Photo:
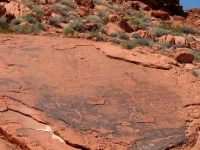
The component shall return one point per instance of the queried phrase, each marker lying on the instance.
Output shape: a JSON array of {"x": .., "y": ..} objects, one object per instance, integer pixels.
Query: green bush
[
  {"x": 38, "y": 10},
  {"x": 76, "y": 25},
  {"x": 146, "y": 19},
  {"x": 68, "y": 30},
  {"x": 118, "y": 9},
  {"x": 60, "y": 9},
  {"x": 98, "y": 2},
  {"x": 180, "y": 46},
  {"x": 29, "y": 29},
  {"x": 196, "y": 73},
  {"x": 114, "y": 34},
  {"x": 95, "y": 34},
  {"x": 54, "y": 21},
  {"x": 133, "y": 43},
  {"x": 165, "y": 44},
  {"x": 137, "y": 14},
  {"x": 94, "y": 19},
  {"x": 103, "y": 30},
  {"x": 137, "y": 23},
  {"x": 103, "y": 14},
  {"x": 3, "y": 21},
  {"x": 136, "y": 35},
  {"x": 196, "y": 55},
  {"x": 123, "y": 36},
  {"x": 189, "y": 30},
  {"x": 30, "y": 19},
  {"x": 126, "y": 18},
  {"x": 128, "y": 11},
  {"x": 68, "y": 3},
  {"x": 17, "y": 21},
  {"x": 158, "y": 32},
  {"x": 116, "y": 41}
]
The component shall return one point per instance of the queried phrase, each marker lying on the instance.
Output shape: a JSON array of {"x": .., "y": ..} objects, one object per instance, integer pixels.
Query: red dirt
[{"x": 61, "y": 93}]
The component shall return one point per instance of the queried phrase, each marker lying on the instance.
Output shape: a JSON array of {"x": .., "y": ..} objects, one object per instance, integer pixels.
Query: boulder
[
  {"x": 90, "y": 26},
  {"x": 112, "y": 18},
  {"x": 111, "y": 28},
  {"x": 2, "y": 10},
  {"x": 167, "y": 38},
  {"x": 147, "y": 35},
  {"x": 137, "y": 5},
  {"x": 184, "y": 57},
  {"x": 16, "y": 9},
  {"x": 160, "y": 14},
  {"x": 180, "y": 40}
]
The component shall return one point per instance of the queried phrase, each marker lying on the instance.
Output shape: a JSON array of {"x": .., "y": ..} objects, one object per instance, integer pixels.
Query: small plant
[
  {"x": 165, "y": 44},
  {"x": 103, "y": 30},
  {"x": 126, "y": 18},
  {"x": 189, "y": 30},
  {"x": 17, "y": 21},
  {"x": 196, "y": 55},
  {"x": 68, "y": 30},
  {"x": 123, "y": 36},
  {"x": 38, "y": 11},
  {"x": 110, "y": 2},
  {"x": 136, "y": 35},
  {"x": 98, "y": 2},
  {"x": 30, "y": 19},
  {"x": 60, "y": 9},
  {"x": 196, "y": 73},
  {"x": 29, "y": 29},
  {"x": 146, "y": 19},
  {"x": 133, "y": 43},
  {"x": 116, "y": 41},
  {"x": 95, "y": 34},
  {"x": 137, "y": 23},
  {"x": 103, "y": 14},
  {"x": 128, "y": 11},
  {"x": 68, "y": 3},
  {"x": 76, "y": 25},
  {"x": 181, "y": 46},
  {"x": 95, "y": 19},
  {"x": 158, "y": 32},
  {"x": 137, "y": 14},
  {"x": 3, "y": 21},
  {"x": 114, "y": 34},
  {"x": 54, "y": 21},
  {"x": 118, "y": 9}
]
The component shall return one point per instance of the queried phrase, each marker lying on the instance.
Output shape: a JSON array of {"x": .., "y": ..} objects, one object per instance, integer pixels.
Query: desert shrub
[
  {"x": 3, "y": 21},
  {"x": 29, "y": 29},
  {"x": 54, "y": 21},
  {"x": 162, "y": 52},
  {"x": 17, "y": 21},
  {"x": 95, "y": 19},
  {"x": 158, "y": 32},
  {"x": 196, "y": 55},
  {"x": 116, "y": 41},
  {"x": 76, "y": 25},
  {"x": 95, "y": 34},
  {"x": 118, "y": 9},
  {"x": 180, "y": 46},
  {"x": 123, "y": 36},
  {"x": 189, "y": 30},
  {"x": 68, "y": 3},
  {"x": 165, "y": 44},
  {"x": 98, "y": 2},
  {"x": 137, "y": 23},
  {"x": 146, "y": 19},
  {"x": 68, "y": 30},
  {"x": 29, "y": 5},
  {"x": 110, "y": 2},
  {"x": 60, "y": 9},
  {"x": 128, "y": 11},
  {"x": 114, "y": 34},
  {"x": 196, "y": 73},
  {"x": 126, "y": 18},
  {"x": 30, "y": 19},
  {"x": 103, "y": 14},
  {"x": 38, "y": 10},
  {"x": 136, "y": 35},
  {"x": 133, "y": 43},
  {"x": 137, "y": 14},
  {"x": 103, "y": 30}
]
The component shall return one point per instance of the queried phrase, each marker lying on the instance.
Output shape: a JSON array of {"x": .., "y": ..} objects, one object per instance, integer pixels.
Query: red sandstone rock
[{"x": 185, "y": 57}]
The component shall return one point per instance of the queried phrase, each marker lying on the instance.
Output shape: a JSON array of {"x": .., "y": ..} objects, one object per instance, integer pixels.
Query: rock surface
[{"x": 67, "y": 94}]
